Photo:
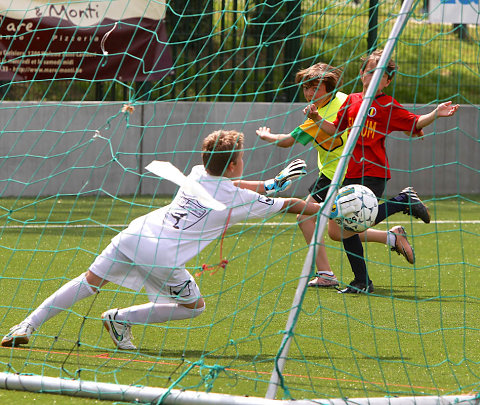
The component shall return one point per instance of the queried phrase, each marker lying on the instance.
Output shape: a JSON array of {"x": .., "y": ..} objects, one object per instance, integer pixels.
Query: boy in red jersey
[{"x": 369, "y": 164}]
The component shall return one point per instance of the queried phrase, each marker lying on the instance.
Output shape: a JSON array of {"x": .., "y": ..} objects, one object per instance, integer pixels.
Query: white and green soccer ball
[{"x": 355, "y": 208}]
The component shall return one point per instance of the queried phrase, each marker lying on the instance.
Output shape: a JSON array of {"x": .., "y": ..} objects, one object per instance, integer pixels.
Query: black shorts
[
  {"x": 376, "y": 184},
  {"x": 319, "y": 189}
]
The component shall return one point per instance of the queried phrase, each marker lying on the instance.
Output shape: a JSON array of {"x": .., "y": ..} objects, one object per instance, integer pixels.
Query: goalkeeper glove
[
  {"x": 344, "y": 204},
  {"x": 283, "y": 180}
]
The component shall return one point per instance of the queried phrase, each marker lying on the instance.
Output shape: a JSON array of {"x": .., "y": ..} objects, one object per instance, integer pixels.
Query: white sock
[
  {"x": 157, "y": 313},
  {"x": 75, "y": 290},
  {"x": 325, "y": 273},
  {"x": 391, "y": 239}
]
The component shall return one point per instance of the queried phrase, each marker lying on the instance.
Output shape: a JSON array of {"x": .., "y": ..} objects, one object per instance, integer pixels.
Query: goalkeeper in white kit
[{"x": 152, "y": 252}]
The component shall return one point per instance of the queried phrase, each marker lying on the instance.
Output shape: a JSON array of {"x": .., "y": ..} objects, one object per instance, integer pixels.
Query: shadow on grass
[
  {"x": 60, "y": 355},
  {"x": 197, "y": 354},
  {"x": 408, "y": 293}
]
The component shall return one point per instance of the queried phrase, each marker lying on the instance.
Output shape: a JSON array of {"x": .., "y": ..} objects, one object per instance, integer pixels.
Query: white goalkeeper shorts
[{"x": 161, "y": 285}]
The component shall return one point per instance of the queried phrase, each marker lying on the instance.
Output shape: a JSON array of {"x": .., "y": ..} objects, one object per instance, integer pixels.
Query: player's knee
[
  {"x": 195, "y": 308},
  {"x": 198, "y": 311},
  {"x": 85, "y": 281},
  {"x": 334, "y": 234},
  {"x": 93, "y": 281},
  {"x": 303, "y": 220},
  {"x": 195, "y": 311}
]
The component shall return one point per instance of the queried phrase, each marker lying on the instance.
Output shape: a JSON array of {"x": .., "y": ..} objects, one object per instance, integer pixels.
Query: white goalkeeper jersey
[{"x": 169, "y": 237}]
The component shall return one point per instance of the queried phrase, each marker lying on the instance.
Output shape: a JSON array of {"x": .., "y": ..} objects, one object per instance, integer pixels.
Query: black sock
[
  {"x": 390, "y": 207},
  {"x": 354, "y": 249}
]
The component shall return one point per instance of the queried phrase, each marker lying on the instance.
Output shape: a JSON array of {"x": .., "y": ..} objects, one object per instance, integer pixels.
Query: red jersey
[{"x": 384, "y": 116}]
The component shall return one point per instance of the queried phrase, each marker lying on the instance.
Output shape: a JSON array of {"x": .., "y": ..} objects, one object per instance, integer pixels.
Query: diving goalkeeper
[{"x": 152, "y": 252}]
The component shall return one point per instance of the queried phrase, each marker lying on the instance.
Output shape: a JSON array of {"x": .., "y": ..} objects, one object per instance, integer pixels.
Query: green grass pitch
[{"x": 417, "y": 334}]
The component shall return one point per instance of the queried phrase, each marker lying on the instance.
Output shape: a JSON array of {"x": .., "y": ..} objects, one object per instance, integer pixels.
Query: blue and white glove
[
  {"x": 345, "y": 203},
  {"x": 283, "y": 180}
]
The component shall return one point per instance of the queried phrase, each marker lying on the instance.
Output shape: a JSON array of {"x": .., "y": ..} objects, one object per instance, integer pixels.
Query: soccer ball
[{"x": 355, "y": 208}]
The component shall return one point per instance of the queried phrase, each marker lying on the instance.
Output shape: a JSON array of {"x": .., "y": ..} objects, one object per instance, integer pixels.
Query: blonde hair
[
  {"x": 375, "y": 57},
  {"x": 320, "y": 73},
  {"x": 219, "y": 149}
]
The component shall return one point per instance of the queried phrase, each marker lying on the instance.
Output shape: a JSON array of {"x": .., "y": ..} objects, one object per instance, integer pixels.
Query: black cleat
[
  {"x": 416, "y": 207},
  {"x": 356, "y": 287}
]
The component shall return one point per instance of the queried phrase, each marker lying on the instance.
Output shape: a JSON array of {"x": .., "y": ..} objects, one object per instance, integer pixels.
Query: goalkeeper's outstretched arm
[
  {"x": 255, "y": 185},
  {"x": 291, "y": 205},
  {"x": 281, "y": 182}
]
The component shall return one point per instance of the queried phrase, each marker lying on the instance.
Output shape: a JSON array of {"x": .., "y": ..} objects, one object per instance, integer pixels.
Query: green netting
[{"x": 72, "y": 163}]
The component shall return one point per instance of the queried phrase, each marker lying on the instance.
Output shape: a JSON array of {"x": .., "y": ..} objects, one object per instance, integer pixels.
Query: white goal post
[
  {"x": 296, "y": 307},
  {"x": 77, "y": 387},
  {"x": 151, "y": 395}
]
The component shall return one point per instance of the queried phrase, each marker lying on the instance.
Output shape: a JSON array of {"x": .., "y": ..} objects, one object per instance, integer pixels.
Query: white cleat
[
  {"x": 402, "y": 247},
  {"x": 323, "y": 280},
  {"x": 18, "y": 335},
  {"x": 120, "y": 332}
]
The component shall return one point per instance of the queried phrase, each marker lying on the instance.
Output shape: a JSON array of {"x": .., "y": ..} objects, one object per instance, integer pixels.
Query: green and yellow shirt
[{"x": 329, "y": 148}]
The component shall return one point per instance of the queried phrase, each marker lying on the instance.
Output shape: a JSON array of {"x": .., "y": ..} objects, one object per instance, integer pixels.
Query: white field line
[{"x": 286, "y": 224}]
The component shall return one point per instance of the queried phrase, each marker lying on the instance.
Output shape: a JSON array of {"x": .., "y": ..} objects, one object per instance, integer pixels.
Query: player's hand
[
  {"x": 264, "y": 133},
  {"x": 283, "y": 180},
  {"x": 446, "y": 109},
  {"x": 311, "y": 111},
  {"x": 344, "y": 204}
]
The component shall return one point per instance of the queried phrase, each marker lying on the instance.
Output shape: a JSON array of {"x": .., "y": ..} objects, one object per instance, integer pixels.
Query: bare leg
[
  {"x": 370, "y": 235},
  {"x": 307, "y": 226},
  {"x": 395, "y": 238}
]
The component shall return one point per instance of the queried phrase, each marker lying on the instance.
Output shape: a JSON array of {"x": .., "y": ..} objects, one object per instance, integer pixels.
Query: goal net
[{"x": 92, "y": 92}]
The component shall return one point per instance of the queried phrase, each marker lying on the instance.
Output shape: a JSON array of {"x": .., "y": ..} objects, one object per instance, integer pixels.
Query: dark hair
[
  {"x": 320, "y": 73},
  {"x": 219, "y": 149},
  {"x": 375, "y": 57}
]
